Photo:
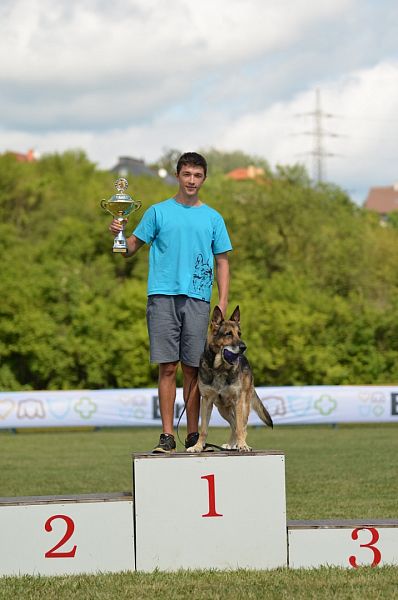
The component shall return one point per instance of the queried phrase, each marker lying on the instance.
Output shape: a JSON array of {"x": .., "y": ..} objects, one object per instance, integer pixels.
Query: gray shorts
[{"x": 177, "y": 327}]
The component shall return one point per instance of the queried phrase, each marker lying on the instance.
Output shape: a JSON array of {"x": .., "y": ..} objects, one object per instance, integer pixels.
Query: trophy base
[{"x": 118, "y": 250}]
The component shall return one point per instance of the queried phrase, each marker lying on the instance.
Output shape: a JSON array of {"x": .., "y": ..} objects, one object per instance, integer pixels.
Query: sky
[{"x": 136, "y": 77}]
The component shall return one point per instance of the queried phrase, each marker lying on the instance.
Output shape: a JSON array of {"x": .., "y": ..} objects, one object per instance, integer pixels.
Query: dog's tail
[{"x": 261, "y": 410}]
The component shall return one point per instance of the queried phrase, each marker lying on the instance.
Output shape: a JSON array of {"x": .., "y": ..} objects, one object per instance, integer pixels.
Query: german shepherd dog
[{"x": 226, "y": 380}]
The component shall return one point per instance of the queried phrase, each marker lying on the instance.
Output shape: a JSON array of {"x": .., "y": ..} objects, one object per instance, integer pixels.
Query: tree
[
  {"x": 222, "y": 162},
  {"x": 315, "y": 277}
]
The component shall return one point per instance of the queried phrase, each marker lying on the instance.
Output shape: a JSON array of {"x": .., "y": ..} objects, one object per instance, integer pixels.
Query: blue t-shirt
[{"x": 183, "y": 242}]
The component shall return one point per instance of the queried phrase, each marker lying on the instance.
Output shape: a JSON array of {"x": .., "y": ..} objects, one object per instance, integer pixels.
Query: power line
[
  {"x": 366, "y": 118},
  {"x": 319, "y": 133}
]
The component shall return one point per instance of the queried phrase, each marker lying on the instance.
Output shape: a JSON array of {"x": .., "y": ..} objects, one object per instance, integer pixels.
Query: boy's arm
[
  {"x": 222, "y": 276},
  {"x": 133, "y": 244}
]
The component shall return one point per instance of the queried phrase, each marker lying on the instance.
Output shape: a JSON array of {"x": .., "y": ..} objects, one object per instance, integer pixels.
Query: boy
[{"x": 185, "y": 237}]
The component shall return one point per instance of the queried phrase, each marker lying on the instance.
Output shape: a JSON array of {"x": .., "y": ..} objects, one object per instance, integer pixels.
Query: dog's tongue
[{"x": 229, "y": 356}]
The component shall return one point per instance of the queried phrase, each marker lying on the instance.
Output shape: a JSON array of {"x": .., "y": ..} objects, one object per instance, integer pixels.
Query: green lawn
[
  {"x": 325, "y": 583},
  {"x": 343, "y": 472}
]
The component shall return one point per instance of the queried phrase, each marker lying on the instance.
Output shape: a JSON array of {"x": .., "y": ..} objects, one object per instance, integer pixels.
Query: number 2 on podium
[
  {"x": 212, "y": 497},
  {"x": 70, "y": 528}
]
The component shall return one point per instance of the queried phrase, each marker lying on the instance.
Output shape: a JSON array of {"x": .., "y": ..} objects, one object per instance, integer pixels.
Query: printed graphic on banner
[
  {"x": 31, "y": 409},
  {"x": 372, "y": 404},
  {"x": 86, "y": 408},
  {"x": 300, "y": 405},
  {"x": 325, "y": 405},
  {"x": 6, "y": 408},
  {"x": 133, "y": 407},
  {"x": 140, "y": 407},
  {"x": 276, "y": 405},
  {"x": 59, "y": 407},
  {"x": 394, "y": 404}
]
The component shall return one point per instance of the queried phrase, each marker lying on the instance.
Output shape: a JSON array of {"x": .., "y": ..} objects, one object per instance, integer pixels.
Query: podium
[
  {"x": 222, "y": 510},
  {"x": 219, "y": 510},
  {"x": 346, "y": 543},
  {"x": 65, "y": 535}
]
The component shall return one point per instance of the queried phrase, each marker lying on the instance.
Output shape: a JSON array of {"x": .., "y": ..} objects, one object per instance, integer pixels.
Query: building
[
  {"x": 30, "y": 156},
  {"x": 382, "y": 200},
  {"x": 135, "y": 167},
  {"x": 243, "y": 173}
]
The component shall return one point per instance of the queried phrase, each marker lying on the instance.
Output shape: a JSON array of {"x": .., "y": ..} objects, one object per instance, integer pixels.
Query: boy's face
[{"x": 191, "y": 179}]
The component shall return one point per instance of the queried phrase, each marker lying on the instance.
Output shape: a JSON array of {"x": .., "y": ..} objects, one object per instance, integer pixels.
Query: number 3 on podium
[{"x": 376, "y": 552}]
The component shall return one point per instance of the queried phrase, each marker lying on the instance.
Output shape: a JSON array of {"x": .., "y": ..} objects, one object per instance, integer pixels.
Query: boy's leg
[
  {"x": 167, "y": 394},
  {"x": 164, "y": 338},
  {"x": 191, "y": 397},
  {"x": 195, "y": 319}
]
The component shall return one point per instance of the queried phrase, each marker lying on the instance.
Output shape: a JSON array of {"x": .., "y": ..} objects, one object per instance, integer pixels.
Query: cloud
[
  {"x": 92, "y": 64},
  {"x": 363, "y": 121},
  {"x": 358, "y": 124},
  {"x": 135, "y": 76}
]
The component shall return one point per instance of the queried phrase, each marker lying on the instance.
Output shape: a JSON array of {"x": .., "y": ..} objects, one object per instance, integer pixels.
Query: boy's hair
[{"x": 192, "y": 158}]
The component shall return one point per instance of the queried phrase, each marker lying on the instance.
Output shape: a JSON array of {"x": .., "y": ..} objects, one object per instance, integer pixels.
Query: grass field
[{"x": 343, "y": 472}]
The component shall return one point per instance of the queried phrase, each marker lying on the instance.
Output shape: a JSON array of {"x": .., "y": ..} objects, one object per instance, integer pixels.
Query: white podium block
[
  {"x": 216, "y": 510},
  {"x": 348, "y": 544},
  {"x": 61, "y": 535}
]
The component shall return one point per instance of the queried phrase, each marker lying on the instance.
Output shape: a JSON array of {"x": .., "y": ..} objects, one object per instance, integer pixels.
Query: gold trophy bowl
[{"x": 120, "y": 206}]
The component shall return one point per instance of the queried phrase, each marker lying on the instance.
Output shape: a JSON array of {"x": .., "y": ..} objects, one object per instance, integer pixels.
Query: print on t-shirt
[{"x": 203, "y": 275}]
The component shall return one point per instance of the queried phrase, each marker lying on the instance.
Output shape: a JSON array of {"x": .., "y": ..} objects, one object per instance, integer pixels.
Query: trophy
[{"x": 120, "y": 206}]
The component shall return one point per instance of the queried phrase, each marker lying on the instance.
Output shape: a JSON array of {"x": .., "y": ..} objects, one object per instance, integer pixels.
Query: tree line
[{"x": 315, "y": 276}]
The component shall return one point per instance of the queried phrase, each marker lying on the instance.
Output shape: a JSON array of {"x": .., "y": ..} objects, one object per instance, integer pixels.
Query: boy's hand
[{"x": 117, "y": 226}]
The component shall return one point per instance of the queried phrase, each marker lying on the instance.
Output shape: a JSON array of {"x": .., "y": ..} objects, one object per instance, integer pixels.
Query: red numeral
[
  {"x": 212, "y": 497},
  {"x": 70, "y": 528},
  {"x": 376, "y": 552}
]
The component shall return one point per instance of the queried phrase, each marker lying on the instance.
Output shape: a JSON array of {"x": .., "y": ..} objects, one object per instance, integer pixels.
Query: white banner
[{"x": 139, "y": 407}]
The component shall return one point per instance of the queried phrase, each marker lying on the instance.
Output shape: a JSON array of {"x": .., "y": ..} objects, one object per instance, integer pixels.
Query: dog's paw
[
  {"x": 198, "y": 447},
  {"x": 243, "y": 447}
]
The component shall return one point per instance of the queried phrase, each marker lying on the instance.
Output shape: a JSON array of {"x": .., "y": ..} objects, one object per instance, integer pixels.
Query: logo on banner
[
  {"x": 300, "y": 406},
  {"x": 86, "y": 408},
  {"x": 58, "y": 408},
  {"x": 133, "y": 407},
  {"x": 394, "y": 404},
  {"x": 276, "y": 405},
  {"x": 325, "y": 405},
  {"x": 30, "y": 409},
  {"x": 372, "y": 404},
  {"x": 6, "y": 408}
]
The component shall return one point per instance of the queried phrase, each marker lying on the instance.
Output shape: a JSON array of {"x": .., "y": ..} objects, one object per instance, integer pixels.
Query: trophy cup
[{"x": 120, "y": 206}]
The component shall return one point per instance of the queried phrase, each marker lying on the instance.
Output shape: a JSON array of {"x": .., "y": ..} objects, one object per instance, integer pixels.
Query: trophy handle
[{"x": 104, "y": 205}]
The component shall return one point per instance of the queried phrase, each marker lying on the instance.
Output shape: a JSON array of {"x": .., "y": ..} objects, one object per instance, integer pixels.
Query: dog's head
[{"x": 224, "y": 337}]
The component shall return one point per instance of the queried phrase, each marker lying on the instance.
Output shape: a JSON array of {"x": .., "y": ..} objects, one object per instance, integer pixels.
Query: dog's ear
[
  {"x": 235, "y": 315},
  {"x": 217, "y": 316}
]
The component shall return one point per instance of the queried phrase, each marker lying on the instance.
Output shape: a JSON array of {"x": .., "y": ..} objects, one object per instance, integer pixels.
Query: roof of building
[
  {"x": 30, "y": 156},
  {"x": 128, "y": 165},
  {"x": 134, "y": 166},
  {"x": 242, "y": 173},
  {"x": 383, "y": 200}
]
